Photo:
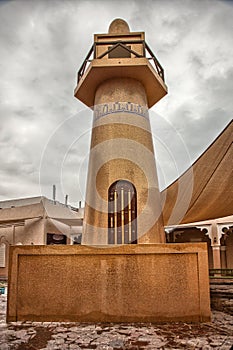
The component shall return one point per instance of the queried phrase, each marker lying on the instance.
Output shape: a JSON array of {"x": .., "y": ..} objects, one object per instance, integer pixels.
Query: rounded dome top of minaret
[{"x": 118, "y": 26}]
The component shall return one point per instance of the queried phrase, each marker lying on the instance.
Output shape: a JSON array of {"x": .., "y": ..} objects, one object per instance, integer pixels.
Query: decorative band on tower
[{"x": 116, "y": 107}]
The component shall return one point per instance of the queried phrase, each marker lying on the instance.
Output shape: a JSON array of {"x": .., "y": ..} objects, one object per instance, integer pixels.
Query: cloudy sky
[{"x": 45, "y": 131}]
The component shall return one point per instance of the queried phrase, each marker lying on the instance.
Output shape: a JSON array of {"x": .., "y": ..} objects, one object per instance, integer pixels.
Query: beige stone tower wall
[
  {"x": 120, "y": 84},
  {"x": 122, "y": 149}
]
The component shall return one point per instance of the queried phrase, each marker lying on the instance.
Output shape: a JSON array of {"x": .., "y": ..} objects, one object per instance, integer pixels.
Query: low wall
[
  {"x": 131, "y": 283},
  {"x": 221, "y": 293}
]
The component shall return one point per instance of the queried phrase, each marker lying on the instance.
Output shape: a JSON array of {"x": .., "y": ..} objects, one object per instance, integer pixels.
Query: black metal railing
[
  {"x": 221, "y": 273},
  {"x": 92, "y": 54}
]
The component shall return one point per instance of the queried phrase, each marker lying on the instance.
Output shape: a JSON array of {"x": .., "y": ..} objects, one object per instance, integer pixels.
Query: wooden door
[{"x": 122, "y": 213}]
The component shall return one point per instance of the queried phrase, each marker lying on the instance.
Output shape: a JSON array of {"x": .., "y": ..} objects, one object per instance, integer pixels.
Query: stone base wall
[{"x": 131, "y": 283}]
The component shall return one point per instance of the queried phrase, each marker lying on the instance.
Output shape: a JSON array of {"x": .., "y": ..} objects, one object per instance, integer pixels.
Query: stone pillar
[
  {"x": 216, "y": 257},
  {"x": 215, "y": 243},
  {"x": 223, "y": 257}
]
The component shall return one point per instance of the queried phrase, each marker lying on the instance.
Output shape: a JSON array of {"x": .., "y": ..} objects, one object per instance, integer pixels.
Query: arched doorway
[
  {"x": 122, "y": 213},
  {"x": 227, "y": 248},
  {"x": 192, "y": 235}
]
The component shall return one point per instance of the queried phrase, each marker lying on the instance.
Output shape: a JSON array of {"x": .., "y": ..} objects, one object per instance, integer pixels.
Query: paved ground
[{"x": 66, "y": 336}]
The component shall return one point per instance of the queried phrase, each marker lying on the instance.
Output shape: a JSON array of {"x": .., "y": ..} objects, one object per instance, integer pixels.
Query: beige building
[
  {"x": 37, "y": 221},
  {"x": 123, "y": 207},
  {"x": 217, "y": 233}
]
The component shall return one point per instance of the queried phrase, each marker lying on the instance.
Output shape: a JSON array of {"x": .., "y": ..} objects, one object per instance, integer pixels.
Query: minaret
[{"x": 120, "y": 79}]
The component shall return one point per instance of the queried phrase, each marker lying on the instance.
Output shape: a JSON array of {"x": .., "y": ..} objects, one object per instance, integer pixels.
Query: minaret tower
[{"x": 120, "y": 79}]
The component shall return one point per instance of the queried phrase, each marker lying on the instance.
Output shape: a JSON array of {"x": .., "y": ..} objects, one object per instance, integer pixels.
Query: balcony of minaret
[{"x": 120, "y": 55}]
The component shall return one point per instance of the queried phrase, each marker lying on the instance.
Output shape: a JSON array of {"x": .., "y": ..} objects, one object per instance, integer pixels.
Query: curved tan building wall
[{"x": 122, "y": 149}]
